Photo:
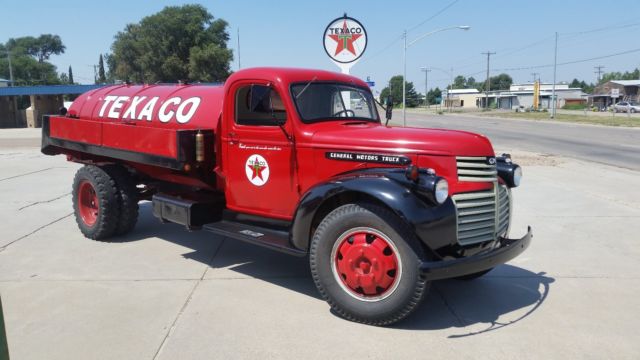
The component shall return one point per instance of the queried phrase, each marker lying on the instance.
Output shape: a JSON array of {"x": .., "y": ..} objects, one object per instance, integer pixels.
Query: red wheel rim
[
  {"x": 365, "y": 264},
  {"x": 87, "y": 203}
]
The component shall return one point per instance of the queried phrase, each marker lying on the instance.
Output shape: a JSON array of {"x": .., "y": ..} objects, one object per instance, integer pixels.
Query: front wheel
[{"x": 365, "y": 264}]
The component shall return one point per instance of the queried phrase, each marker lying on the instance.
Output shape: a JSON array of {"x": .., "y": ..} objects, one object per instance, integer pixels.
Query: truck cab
[{"x": 297, "y": 161}]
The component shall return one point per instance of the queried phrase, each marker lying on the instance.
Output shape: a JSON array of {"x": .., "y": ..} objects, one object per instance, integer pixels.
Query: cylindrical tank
[{"x": 165, "y": 106}]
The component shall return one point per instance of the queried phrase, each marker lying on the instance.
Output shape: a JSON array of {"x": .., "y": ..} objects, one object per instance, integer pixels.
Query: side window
[{"x": 259, "y": 105}]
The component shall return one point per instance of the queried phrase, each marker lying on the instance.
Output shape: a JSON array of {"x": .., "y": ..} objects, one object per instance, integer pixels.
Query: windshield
[{"x": 327, "y": 101}]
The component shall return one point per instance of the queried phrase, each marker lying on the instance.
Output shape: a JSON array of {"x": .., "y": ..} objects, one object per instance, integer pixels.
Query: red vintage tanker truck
[{"x": 300, "y": 162}]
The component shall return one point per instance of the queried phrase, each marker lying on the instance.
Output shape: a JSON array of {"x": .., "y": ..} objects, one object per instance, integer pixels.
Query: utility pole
[
  {"x": 599, "y": 71},
  {"x": 10, "y": 68},
  {"x": 450, "y": 88},
  {"x": 553, "y": 90},
  {"x": 239, "y": 67},
  {"x": 404, "y": 81},
  {"x": 535, "y": 74},
  {"x": 488, "y": 84},
  {"x": 426, "y": 88}
]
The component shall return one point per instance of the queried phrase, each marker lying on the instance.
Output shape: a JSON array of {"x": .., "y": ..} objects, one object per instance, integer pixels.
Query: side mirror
[
  {"x": 260, "y": 98},
  {"x": 389, "y": 108}
]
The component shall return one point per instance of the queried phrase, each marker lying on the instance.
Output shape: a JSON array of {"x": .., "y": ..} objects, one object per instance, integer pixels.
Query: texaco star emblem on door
[{"x": 257, "y": 170}]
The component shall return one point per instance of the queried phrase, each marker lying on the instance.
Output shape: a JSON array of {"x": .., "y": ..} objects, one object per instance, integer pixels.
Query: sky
[{"x": 289, "y": 33}]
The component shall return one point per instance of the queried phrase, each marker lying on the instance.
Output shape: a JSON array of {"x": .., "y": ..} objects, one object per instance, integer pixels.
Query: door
[{"x": 259, "y": 164}]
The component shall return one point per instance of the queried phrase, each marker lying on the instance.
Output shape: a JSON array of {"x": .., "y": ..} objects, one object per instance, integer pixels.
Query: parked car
[{"x": 624, "y": 106}]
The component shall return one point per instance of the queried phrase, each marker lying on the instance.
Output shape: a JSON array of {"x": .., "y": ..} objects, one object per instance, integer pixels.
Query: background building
[
  {"x": 460, "y": 98},
  {"x": 521, "y": 96},
  {"x": 23, "y": 106},
  {"x": 603, "y": 94}
]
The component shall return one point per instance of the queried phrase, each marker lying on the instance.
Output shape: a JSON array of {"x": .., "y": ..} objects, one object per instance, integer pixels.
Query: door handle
[{"x": 232, "y": 138}]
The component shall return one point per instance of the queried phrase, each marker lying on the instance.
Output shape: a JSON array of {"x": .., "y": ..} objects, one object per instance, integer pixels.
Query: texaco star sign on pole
[{"x": 345, "y": 40}]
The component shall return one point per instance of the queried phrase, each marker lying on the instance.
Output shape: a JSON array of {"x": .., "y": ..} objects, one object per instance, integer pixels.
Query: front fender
[{"x": 434, "y": 225}]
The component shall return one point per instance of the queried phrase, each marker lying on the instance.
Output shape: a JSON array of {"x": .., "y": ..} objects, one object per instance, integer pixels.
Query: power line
[
  {"x": 570, "y": 62},
  {"x": 606, "y": 28},
  {"x": 434, "y": 15},
  {"x": 395, "y": 40},
  {"x": 569, "y": 35},
  {"x": 511, "y": 51}
]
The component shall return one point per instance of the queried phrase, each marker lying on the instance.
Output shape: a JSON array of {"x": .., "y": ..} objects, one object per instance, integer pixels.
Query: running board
[{"x": 272, "y": 239}]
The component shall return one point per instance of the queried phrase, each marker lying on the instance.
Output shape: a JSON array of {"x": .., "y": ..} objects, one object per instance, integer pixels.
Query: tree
[
  {"x": 111, "y": 65},
  {"x": 633, "y": 75},
  {"x": 70, "y": 75},
  {"x": 588, "y": 88},
  {"x": 29, "y": 57},
  {"x": 102, "y": 77},
  {"x": 433, "y": 95},
  {"x": 460, "y": 82},
  {"x": 412, "y": 97},
  {"x": 41, "y": 48},
  {"x": 178, "y": 43},
  {"x": 500, "y": 82}
]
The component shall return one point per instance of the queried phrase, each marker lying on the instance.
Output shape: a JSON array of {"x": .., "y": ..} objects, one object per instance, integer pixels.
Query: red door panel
[{"x": 260, "y": 167}]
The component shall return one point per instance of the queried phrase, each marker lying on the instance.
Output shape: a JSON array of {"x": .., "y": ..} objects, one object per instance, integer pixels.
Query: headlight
[
  {"x": 517, "y": 176},
  {"x": 441, "y": 192}
]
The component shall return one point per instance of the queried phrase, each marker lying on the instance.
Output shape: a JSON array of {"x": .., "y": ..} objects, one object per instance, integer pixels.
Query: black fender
[{"x": 434, "y": 225}]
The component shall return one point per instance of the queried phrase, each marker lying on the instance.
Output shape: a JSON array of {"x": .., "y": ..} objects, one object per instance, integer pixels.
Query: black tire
[
  {"x": 127, "y": 198},
  {"x": 474, "y": 275},
  {"x": 411, "y": 285},
  {"x": 107, "y": 205},
  {"x": 633, "y": 111}
]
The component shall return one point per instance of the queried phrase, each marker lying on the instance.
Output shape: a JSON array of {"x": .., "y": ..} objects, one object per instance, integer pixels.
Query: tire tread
[
  {"x": 106, "y": 190},
  {"x": 420, "y": 287}
]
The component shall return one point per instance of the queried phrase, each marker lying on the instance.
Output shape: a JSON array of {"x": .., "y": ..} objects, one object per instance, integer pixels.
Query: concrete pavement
[{"x": 164, "y": 293}]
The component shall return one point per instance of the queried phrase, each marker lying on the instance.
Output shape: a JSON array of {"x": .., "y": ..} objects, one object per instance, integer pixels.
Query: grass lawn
[{"x": 618, "y": 120}]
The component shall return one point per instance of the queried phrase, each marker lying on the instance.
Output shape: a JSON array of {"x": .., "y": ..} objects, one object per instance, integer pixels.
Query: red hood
[{"x": 375, "y": 137}]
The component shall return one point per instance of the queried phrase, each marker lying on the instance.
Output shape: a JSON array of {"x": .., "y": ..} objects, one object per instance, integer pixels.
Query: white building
[
  {"x": 521, "y": 96},
  {"x": 460, "y": 98}
]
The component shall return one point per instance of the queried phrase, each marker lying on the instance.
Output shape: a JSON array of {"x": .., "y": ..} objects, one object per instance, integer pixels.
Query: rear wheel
[
  {"x": 364, "y": 267},
  {"x": 633, "y": 110},
  {"x": 95, "y": 202},
  {"x": 127, "y": 198}
]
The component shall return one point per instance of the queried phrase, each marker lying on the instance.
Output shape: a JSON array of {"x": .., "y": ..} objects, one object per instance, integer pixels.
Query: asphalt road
[{"x": 616, "y": 146}]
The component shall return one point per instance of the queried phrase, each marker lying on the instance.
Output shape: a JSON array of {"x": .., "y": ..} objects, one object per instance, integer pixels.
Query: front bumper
[{"x": 508, "y": 249}]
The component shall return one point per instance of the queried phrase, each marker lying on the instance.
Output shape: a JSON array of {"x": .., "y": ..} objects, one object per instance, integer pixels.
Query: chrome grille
[
  {"x": 476, "y": 169},
  {"x": 482, "y": 215},
  {"x": 504, "y": 210}
]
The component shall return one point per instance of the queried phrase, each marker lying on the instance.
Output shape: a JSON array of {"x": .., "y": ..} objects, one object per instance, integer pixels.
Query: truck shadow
[{"x": 504, "y": 296}]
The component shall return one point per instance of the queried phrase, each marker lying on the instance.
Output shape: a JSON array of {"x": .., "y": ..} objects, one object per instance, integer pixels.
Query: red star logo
[
  {"x": 257, "y": 169},
  {"x": 345, "y": 40}
]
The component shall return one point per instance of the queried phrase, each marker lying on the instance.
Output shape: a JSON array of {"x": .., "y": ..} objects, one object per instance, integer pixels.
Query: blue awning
[{"x": 47, "y": 90}]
